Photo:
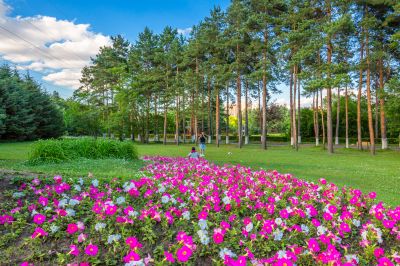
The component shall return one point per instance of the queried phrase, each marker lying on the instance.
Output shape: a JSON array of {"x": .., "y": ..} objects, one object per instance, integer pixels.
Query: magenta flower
[
  {"x": 91, "y": 250},
  {"x": 344, "y": 227},
  {"x": 39, "y": 232},
  {"x": 43, "y": 201},
  {"x": 283, "y": 262},
  {"x": 218, "y": 236},
  {"x": 327, "y": 216},
  {"x": 133, "y": 243},
  {"x": 131, "y": 256},
  {"x": 313, "y": 245},
  {"x": 72, "y": 228},
  {"x": 379, "y": 252},
  {"x": 183, "y": 254},
  {"x": 39, "y": 218},
  {"x": 203, "y": 215},
  {"x": 169, "y": 257},
  {"x": 284, "y": 214},
  {"x": 111, "y": 210},
  {"x": 74, "y": 250},
  {"x": 385, "y": 262}
]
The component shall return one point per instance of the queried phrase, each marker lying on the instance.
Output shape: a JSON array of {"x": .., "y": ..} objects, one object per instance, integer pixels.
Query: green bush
[{"x": 54, "y": 151}]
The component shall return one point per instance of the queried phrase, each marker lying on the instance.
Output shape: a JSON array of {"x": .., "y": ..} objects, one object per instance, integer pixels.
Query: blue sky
[
  {"x": 54, "y": 39},
  {"x": 38, "y": 24},
  {"x": 127, "y": 17}
]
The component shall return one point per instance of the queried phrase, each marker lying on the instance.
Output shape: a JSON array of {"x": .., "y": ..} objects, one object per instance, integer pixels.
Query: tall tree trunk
[
  {"x": 376, "y": 135},
  {"x": 294, "y": 107},
  {"x": 322, "y": 120},
  {"x": 317, "y": 121},
  {"x": 165, "y": 123},
  {"x": 177, "y": 121},
  {"x": 239, "y": 99},
  {"x": 227, "y": 115},
  {"x": 209, "y": 107},
  {"x": 382, "y": 107},
  {"x": 370, "y": 123},
  {"x": 177, "y": 110},
  {"x": 314, "y": 115},
  {"x": 147, "y": 119},
  {"x": 347, "y": 116},
  {"x": 360, "y": 83},
  {"x": 328, "y": 89},
  {"x": 337, "y": 117},
  {"x": 298, "y": 115},
  {"x": 196, "y": 131},
  {"x": 217, "y": 115},
  {"x": 264, "y": 95},
  {"x": 202, "y": 106},
  {"x": 259, "y": 107},
  {"x": 155, "y": 118},
  {"x": 183, "y": 116},
  {"x": 291, "y": 108},
  {"x": 246, "y": 113}
]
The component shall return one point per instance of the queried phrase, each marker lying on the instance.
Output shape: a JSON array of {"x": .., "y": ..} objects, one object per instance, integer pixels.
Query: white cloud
[
  {"x": 59, "y": 49},
  {"x": 185, "y": 31}
]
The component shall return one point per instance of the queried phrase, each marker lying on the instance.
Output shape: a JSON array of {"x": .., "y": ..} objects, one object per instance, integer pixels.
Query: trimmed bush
[{"x": 54, "y": 151}]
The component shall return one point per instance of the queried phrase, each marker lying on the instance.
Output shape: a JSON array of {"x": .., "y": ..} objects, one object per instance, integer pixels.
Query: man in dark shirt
[{"x": 202, "y": 139}]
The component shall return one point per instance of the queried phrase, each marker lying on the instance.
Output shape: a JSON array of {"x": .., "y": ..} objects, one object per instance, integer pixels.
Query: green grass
[{"x": 380, "y": 173}]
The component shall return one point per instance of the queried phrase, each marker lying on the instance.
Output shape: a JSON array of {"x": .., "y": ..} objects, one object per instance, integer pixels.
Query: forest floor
[{"x": 347, "y": 167}]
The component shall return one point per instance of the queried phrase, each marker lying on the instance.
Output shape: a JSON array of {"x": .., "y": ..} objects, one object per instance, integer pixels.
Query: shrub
[{"x": 54, "y": 151}]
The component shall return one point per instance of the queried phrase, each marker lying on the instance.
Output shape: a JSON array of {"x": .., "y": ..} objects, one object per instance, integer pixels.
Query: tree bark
[
  {"x": 155, "y": 120},
  {"x": 376, "y": 135},
  {"x": 382, "y": 107},
  {"x": 227, "y": 115},
  {"x": 322, "y": 120},
  {"x": 294, "y": 107},
  {"x": 317, "y": 123},
  {"x": 246, "y": 114},
  {"x": 209, "y": 109},
  {"x": 370, "y": 123},
  {"x": 217, "y": 116},
  {"x": 347, "y": 116},
  {"x": 264, "y": 96},
  {"x": 337, "y": 117},
  {"x": 360, "y": 83},
  {"x": 147, "y": 120},
  {"x": 298, "y": 115},
  {"x": 165, "y": 123},
  {"x": 328, "y": 89},
  {"x": 291, "y": 108},
  {"x": 239, "y": 99}
]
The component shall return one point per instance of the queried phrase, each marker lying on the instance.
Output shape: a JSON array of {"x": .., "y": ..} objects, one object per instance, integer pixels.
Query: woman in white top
[{"x": 193, "y": 154}]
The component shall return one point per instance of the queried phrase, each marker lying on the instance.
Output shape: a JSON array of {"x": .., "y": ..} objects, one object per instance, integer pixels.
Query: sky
[{"x": 54, "y": 39}]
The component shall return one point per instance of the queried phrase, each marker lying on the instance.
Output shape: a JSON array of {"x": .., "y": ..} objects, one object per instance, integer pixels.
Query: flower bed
[{"x": 191, "y": 211}]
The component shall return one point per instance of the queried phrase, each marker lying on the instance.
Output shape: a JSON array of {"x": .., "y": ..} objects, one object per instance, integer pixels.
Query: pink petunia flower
[
  {"x": 385, "y": 262},
  {"x": 131, "y": 256},
  {"x": 133, "y": 243},
  {"x": 169, "y": 257},
  {"x": 72, "y": 228},
  {"x": 39, "y": 232},
  {"x": 183, "y": 254},
  {"x": 379, "y": 252},
  {"x": 39, "y": 218},
  {"x": 313, "y": 245},
  {"x": 91, "y": 250},
  {"x": 74, "y": 250},
  {"x": 218, "y": 236}
]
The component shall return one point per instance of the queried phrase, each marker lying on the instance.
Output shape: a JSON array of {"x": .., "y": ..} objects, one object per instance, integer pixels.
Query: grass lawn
[{"x": 380, "y": 173}]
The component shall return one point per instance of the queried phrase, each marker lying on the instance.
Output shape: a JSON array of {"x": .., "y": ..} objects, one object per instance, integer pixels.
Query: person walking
[{"x": 202, "y": 139}]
